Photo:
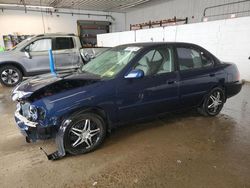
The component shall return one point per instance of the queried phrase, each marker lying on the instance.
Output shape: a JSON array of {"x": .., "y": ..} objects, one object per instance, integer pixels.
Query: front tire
[
  {"x": 213, "y": 102},
  {"x": 10, "y": 76},
  {"x": 84, "y": 133}
]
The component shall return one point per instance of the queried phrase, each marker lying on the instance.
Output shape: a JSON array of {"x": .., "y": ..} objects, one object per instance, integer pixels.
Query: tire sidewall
[
  {"x": 93, "y": 117},
  {"x": 14, "y": 68}
]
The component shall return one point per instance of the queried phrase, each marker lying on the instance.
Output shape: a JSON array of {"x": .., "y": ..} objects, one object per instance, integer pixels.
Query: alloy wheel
[
  {"x": 215, "y": 102},
  {"x": 84, "y": 134},
  {"x": 10, "y": 76}
]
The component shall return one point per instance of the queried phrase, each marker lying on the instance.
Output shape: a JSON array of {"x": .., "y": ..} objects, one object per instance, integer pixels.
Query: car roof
[
  {"x": 153, "y": 44},
  {"x": 55, "y": 34}
]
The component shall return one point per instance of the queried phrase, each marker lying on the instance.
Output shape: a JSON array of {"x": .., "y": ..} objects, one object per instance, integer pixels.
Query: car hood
[
  {"x": 7, "y": 54},
  {"x": 48, "y": 84}
]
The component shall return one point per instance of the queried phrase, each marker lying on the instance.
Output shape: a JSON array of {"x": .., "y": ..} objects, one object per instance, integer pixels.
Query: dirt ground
[{"x": 180, "y": 150}]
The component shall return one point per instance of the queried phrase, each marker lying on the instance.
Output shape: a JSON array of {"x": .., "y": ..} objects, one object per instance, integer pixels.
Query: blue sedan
[{"x": 123, "y": 84}]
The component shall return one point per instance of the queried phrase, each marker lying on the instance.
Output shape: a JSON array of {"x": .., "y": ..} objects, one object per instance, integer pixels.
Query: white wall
[
  {"x": 229, "y": 39},
  {"x": 115, "y": 39},
  {"x": 182, "y": 9},
  {"x": 13, "y": 21}
]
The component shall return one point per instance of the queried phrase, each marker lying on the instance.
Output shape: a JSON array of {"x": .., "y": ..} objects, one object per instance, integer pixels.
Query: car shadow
[{"x": 180, "y": 121}]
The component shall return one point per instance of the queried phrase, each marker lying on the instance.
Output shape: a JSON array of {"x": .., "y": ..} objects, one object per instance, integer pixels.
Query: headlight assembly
[
  {"x": 36, "y": 113},
  {"x": 33, "y": 113}
]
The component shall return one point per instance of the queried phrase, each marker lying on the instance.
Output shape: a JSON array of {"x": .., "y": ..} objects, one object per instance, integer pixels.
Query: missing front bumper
[{"x": 32, "y": 131}]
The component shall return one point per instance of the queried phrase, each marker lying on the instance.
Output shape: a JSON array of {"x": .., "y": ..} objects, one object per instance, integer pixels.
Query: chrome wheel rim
[
  {"x": 84, "y": 134},
  {"x": 215, "y": 102},
  {"x": 9, "y": 76}
]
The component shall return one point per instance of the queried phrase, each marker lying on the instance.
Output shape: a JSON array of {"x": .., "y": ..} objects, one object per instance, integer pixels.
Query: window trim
[
  {"x": 23, "y": 49},
  {"x": 198, "y": 49},
  {"x": 166, "y": 46}
]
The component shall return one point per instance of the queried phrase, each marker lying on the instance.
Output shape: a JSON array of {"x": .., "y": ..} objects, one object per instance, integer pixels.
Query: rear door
[
  {"x": 66, "y": 55},
  {"x": 197, "y": 74},
  {"x": 156, "y": 92}
]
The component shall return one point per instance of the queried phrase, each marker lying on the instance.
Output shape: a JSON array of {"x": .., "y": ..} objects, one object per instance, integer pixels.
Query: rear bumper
[
  {"x": 233, "y": 88},
  {"x": 33, "y": 130}
]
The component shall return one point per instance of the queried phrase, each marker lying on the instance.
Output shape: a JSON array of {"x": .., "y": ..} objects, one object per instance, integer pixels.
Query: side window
[
  {"x": 39, "y": 45},
  {"x": 156, "y": 61},
  {"x": 207, "y": 61},
  {"x": 189, "y": 58},
  {"x": 62, "y": 43}
]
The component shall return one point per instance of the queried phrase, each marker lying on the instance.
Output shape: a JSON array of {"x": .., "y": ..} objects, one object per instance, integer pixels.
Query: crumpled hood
[{"x": 48, "y": 84}]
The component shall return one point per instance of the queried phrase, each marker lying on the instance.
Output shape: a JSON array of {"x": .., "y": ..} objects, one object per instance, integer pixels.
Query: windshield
[
  {"x": 21, "y": 43},
  {"x": 111, "y": 62}
]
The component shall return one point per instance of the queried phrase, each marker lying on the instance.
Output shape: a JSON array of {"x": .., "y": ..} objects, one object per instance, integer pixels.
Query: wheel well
[
  {"x": 218, "y": 85},
  {"x": 20, "y": 67},
  {"x": 222, "y": 87},
  {"x": 95, "y": 110}
]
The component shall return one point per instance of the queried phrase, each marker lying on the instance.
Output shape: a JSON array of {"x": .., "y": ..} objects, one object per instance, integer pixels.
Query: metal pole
[{"x": 52, "y": 63}]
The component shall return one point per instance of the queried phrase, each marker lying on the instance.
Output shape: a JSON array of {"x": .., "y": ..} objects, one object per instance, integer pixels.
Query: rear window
[
  {"x": 63, "y": 43},
  {"x": 193, "y": 59}
]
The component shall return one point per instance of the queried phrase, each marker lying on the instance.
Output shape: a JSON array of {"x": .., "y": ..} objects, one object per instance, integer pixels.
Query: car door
[
  {"x": 156, "y": 92},
  {"x": 38, "y": 60},
  {"x": 66, "y": 55},
  {"x": 197, "y": 74}
]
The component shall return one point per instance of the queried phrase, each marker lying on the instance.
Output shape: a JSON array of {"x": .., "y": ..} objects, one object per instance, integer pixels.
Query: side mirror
[
  {"x": 136, "y": 73},
  {"x": 86, "y": 57},
  {"x": 27, "y": 54}
]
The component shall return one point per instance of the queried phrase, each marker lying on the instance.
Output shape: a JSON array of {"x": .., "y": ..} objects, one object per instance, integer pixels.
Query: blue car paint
[{"x": 124, "y": 100}]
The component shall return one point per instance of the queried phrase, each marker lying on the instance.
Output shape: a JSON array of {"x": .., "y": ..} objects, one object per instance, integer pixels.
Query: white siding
[
  {"x": 182, "y": 9},
  {"x": 115, "y": 39}
]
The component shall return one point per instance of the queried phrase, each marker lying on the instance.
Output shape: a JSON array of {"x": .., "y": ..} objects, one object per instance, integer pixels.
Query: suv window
[
  {"x": 189, "y": 58},
  {"x": 39, "y": 45},
  {"x": 63, "y": 43},
  {"x": 156, "y": 61}
]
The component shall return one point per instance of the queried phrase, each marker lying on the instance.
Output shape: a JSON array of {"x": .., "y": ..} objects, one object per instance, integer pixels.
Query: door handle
[
  {"x": 212, "y": 75},
  {"x": 171, "y": 82}
]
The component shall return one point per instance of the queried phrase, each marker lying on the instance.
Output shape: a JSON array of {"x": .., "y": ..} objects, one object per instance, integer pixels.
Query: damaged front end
[
  {"x": 44, "y": 103},
  {"x": 31, "y": 121}
]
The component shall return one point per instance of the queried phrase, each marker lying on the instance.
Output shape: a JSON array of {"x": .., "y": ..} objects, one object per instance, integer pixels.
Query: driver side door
[
  {"x": 156, "y": 92},
  {"x": 39, "y": 56}
]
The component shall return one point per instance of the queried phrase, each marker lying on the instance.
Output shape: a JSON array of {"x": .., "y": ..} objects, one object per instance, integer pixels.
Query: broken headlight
[
  {"x": 36, "y": 113},
  {"x": 33, "y": 113}
]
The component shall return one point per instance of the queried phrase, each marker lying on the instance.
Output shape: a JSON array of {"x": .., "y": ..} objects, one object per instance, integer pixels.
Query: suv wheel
[
  {"x": 213, "y": 103},
  {"x": 10, "y": 76},
  {"x": 84, "y": 134}
]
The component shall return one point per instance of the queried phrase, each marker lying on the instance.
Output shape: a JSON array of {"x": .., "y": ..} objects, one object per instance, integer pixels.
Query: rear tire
[
  {"x": 213, "y": 102},
  {"x": 84, "y": 134},
  {"x": 10, "y": 76}
]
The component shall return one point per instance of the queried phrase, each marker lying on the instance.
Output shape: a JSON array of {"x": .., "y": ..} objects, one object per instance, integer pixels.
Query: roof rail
[{"x": 55, "y": 34}]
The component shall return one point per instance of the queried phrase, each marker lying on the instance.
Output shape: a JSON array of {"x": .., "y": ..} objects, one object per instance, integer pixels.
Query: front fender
[{"x": 59, "y": 142}]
